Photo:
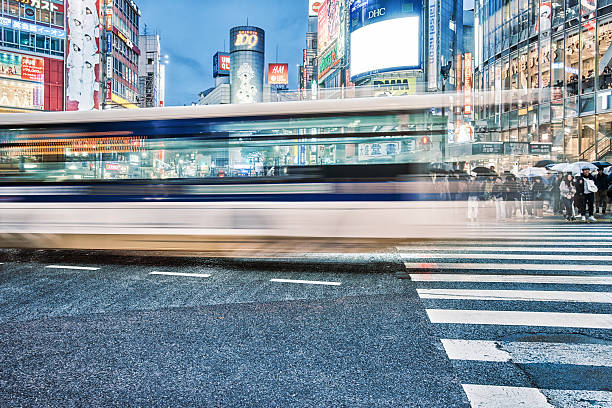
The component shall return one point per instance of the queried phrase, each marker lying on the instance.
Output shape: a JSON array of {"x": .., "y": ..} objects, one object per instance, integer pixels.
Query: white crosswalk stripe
[
  {"x": 529, "y": 352},
  {"x": 541, "y": 257},
  {"x": 527, "y": 255}
]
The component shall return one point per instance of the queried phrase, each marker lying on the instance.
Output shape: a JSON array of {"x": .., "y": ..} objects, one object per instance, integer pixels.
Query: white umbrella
[
  {"x": 577, "y": 167},
  {"x": 607, "y": 170},
  {"x": 559, "y": 167},
  {"x": 532, "y": 172}
]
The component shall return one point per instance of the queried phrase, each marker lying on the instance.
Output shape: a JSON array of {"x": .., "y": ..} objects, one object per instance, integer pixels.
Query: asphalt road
[{"x": 444, "y": 324}]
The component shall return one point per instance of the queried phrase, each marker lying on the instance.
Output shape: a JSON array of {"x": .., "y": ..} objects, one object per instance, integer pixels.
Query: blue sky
[{"x": 192, "y": 31}]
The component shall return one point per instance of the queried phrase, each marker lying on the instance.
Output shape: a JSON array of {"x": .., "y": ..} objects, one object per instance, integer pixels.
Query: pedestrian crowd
[{"x": 573, "y": 197}]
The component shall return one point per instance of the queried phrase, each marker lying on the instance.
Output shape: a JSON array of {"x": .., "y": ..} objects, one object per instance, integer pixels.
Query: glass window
[
  {"x": 534, "y": 73},
  {"x": 40, "y": 43},
  {"x": 545, "y": 16},
  {"x": 587, "y": 139},
  {"x": 544, "y": 62},
  {"x": 587, "y": 46},
  {"x": 534, "y": 13},
  {"x": 558, "y": 72},
  {"x": 58, "y": 19},
  {"x": 604, "y": 42},
  {"x": 571, "y": 62},
  {"x": 515, "y": 30},
  {"x": 588, "y": 8},
  {"x": 571, "y": 9},
  {"x": 558, "y": 13},
  {"x": 571, "y": 139},
  {"x": 10, "y": 36},
  {"x": 524, "y": 32},
  {"x": 523, "y": 5}
]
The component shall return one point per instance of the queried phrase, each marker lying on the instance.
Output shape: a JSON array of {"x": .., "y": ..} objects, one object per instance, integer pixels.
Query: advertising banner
[
  {"x": 378, "y": 150},
  {"x": 329, "y": 24},
  {"x": 19, "y": 94},
  {"x": 32, "y": 28},
  {"x": 328, "y": 61},
  {"x": 22, "y": 67},
  {"x": 83, "y": 55},
  {"x": 278, "y": 74}
]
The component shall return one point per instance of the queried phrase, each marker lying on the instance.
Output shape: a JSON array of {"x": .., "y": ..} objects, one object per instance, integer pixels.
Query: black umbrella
[
  {"x": 602, "y": 164},
  {"x": 483, "y": 171},
  {"x": 543, "y": 163}
]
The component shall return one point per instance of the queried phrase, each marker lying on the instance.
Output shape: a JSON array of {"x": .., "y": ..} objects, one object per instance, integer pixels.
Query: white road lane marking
[
  {"x": 508, "y": 267},
  {"x": 515, "y": 318},
  {"x": 516, "y": 295},
  {"x": 607, "y": 249},
  {"x": 543, "y": 257},
  {"x": 547, "y": 279},
  {"x": 306, "y": 282},
  {"x": 495, "y": 396},
  {"x": 529, "y": 352},
  {"x": 187, "y": 275},
  {"x": 78, "y": 268}
]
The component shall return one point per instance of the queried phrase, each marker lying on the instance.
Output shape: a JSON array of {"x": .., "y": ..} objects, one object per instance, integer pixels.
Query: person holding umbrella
[
  {"x": 585, "y": 190},
  {"x": 601, "y": 197}
]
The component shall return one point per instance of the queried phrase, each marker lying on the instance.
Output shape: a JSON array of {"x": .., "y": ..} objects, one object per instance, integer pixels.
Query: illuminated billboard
[
  {"x": 385, "y": 35},
  {"x": 221, "y": 64},
  {"x": 20, "y": 94},
  {"x": 278, "y": 74},
  {"x": 22, "y": 67},
  {"x": 329, "y": 24}
]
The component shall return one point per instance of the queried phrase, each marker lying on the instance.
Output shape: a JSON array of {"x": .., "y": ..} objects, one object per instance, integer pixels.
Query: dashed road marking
[
  {"x": 187, "y": 275},
  {"x": 78, "y": 268},
  {"x": 306, "y": 282}
]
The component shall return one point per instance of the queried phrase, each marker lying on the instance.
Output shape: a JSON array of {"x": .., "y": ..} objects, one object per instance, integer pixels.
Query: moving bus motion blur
[{"x": 342, "y": 174}]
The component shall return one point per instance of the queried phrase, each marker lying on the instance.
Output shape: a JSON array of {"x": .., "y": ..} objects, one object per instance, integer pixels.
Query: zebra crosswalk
[{"x": 526, "y": 321}]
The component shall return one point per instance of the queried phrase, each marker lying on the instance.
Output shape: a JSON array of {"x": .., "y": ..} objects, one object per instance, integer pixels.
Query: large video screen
[{"x": 385, "y": 46}]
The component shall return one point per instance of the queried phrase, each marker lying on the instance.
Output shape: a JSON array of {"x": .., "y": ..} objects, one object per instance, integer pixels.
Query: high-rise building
[
  {"x": 32, "y": 48},
  {"x": 121, "y": 46},
  {"x": 563, "y": 49},
  {"x": 308, "y": 70},
  {"x": 150, "y": 72}
]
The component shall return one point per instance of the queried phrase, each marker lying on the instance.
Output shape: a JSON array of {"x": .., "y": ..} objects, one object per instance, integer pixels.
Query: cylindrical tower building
[{"x": 247, "y": 47}]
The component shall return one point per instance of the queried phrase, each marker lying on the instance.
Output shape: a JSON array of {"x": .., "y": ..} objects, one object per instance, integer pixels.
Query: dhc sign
[{"x": 377, "y": 13}]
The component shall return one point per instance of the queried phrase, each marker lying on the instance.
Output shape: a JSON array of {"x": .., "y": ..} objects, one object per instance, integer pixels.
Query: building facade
[
  {"x": 32, "y": 48},
  {"x": 562, "y": 49},
  {"x": 121, "y": 38},
  {"x": 151, "y": 75}
]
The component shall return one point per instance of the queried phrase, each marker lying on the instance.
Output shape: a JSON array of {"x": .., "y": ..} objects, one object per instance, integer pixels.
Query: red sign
[
  {"x": 43, "y": 5},
  {"x": 278, "y": 74},
  {"x": 113, "y": 166},
  {"x": 109, "y": 20},
  {"x": 224, "y": 62},
  {"x": 109, "y": 90},
  {"x": 33, "y": 69}
]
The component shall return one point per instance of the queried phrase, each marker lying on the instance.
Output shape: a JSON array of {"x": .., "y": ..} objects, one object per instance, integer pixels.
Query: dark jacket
[
  {"x": 601, "y": 181},
  {"x": 538, "y": 190},
  {"x": 580, "y": 184}
]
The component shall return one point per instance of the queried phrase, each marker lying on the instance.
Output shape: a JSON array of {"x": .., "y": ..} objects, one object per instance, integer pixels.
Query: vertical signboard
[
  {"x": 83, "y": 55},
  {"x": 329, "y": 24},
  {"x": 432, "y": 46},
  {"x": 467, "y": 90}
]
